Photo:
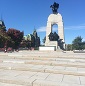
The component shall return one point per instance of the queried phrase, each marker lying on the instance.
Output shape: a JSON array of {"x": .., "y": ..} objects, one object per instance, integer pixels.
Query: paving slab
[
  {"x": 16, "y": 80},
  {"x": 26, "y": 74},
  {"x": 47, "y": 67},
  {"x": 81, "y": 70},
  {"x": 55, "y": 77},
  {"x": 59, "y": 68},
  {"x": 70, "y": 79},
  {"x": 40, "y": 76},
  {"x": 75, "y": 69},
  {"x": 82, "y": 80}
]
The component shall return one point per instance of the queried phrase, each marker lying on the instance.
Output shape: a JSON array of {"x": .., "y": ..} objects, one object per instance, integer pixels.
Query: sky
[{"x": 27, "y": 15}]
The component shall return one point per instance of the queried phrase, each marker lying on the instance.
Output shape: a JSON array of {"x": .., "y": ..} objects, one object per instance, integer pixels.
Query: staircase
[{"x": 39, "y": 68}]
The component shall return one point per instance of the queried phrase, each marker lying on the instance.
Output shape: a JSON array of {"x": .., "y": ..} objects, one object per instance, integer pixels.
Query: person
[{"x": 5, "y": 50}]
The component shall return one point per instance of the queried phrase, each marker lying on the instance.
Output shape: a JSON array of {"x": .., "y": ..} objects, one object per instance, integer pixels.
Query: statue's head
[{"x": 56, "y": 5}]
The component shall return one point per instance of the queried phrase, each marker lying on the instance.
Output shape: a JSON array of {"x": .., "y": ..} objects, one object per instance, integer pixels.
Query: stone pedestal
[
  {"x": 47, "y": 48},
  {"x": 52, "y": 43}
]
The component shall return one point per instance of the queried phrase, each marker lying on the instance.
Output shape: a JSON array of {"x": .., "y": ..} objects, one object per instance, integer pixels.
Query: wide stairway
[{"x": 39, "y": 68}]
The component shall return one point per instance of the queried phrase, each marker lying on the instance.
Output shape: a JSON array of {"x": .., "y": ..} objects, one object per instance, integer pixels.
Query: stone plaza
[{"x": 42, "y": 68}]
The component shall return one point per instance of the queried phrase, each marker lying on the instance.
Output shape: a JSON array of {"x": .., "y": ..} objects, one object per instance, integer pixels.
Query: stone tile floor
[{"x": 57, "y": 70}]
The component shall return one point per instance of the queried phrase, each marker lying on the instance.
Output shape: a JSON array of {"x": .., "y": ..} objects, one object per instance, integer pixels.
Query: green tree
[
  {"x": 77, "y": 43},
  {"x": 32, "y": 41},
  {"x": 3, "y": 35},
  {"x": 83, "y": 45},
  {"x": 25, "y": 44},
  {"x": 35, "y": 39},
  {"x": 35, "y": 33},
  {"x": 4, "y": 39},
  {"x": 44, "y": 39},
  {"x": 69, "y": 47}
]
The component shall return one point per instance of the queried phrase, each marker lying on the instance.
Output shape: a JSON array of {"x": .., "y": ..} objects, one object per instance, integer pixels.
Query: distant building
[
  {"x": 33, "y": 39},
  {"x": 2, "y": 25},
  {"x": 27, "y": 37}
]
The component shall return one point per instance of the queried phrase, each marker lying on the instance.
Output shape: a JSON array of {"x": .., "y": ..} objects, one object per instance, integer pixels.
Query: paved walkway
[{"x": 34, "y": 68}]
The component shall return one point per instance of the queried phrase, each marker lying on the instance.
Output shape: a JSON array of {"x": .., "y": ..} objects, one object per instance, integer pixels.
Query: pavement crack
[
  {"x": 47, "y": 76},
  {"x": 62, "y": 78}
]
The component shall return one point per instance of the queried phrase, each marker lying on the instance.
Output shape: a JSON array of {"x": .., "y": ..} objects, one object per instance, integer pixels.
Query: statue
[
  {"x": 55, "y": 7},
  {"x": 53, "y": 36}
]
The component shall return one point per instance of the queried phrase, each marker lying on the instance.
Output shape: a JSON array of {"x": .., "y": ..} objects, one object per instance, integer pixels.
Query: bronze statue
[
  {"x": 53, "y": 36},
  {"x": 55, "y": 7}
]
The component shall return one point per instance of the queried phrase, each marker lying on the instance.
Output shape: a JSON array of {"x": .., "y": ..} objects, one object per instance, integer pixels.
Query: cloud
[
  {"x": 41, "y": 29},
  {"x": 77, "y": 27},
  {"x": 83, "y": 39}
]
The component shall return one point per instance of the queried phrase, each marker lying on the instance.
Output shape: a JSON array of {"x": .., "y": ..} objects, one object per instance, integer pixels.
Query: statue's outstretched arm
[{"x": 51, "y": 6}]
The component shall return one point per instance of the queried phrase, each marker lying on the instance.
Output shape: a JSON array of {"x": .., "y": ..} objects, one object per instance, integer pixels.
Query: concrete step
[
  {"x": 41, "y": 56},
  {"x": 77, "y": 71},
  {"x": 45, "y": 58},
  {"x": 57, "y": 62},
  {"x": 27, "y": 78},
  {"x": 39, "y": 83},
  {"x": 8, "y": 84},
  {"x": 43, "y": 53},
  {"x": 42, "y": 69},
  {"x": 78, "y": 60}
]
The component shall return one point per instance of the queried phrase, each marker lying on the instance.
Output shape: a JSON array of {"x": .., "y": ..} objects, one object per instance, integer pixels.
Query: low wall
[{"x": 47, "y": 48}]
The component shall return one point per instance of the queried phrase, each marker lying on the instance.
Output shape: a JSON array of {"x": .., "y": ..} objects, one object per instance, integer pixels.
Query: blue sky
[{"x": 25, "y": 15}]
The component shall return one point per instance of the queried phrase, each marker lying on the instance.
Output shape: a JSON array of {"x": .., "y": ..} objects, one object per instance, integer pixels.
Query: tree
[
  {"x": 3, "y": 35},
  {"x": 36, "y": 39},
  {"x": 5, "y": 41},
  {"x": 2, "y": 38},
  {"x": 32, "y": 41},
  {"x": 44, "y": 39},
  {"x": 16, "y": 36},
  {"x": 37, "y": 42},
  {"x": 69, "y": 47},
  {"x": 83, "y": 44},
  {"x": 25, "y": 44},
  {"x": 35, "y": 33},
  {"x": 77, "y": 43}
]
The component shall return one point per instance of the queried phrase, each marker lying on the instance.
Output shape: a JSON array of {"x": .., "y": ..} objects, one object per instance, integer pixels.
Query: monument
[{"x": 55, "y": 19}]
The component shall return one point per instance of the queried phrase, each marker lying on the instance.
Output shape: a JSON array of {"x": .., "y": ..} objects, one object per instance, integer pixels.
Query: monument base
[
  {"x": 47, "y": 48},
  {"x": 52, "y": 43}
]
